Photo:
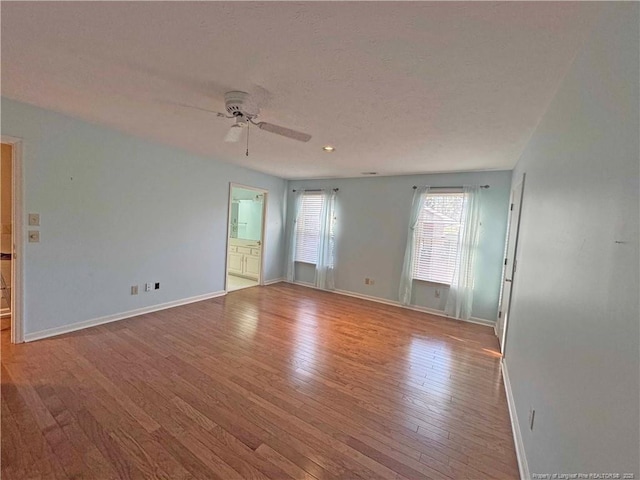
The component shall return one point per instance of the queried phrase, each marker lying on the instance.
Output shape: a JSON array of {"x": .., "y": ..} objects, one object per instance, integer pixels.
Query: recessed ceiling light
[{"x": 328, "y": 148}]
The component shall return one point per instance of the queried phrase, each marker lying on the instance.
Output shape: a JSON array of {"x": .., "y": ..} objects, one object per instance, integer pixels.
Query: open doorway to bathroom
[
  {"x": 245, "y": 245},
  {"x": 11, "y": 238},
  {"x": 6, "y": 242}
]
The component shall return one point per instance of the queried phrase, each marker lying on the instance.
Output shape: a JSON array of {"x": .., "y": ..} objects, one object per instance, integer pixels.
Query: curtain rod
[
  {"x": 319, "y": 190},
  {"x": 457, "y": 186}
]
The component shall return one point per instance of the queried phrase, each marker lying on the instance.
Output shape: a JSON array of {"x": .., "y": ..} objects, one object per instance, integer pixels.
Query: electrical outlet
[
  {"x": 157, "y": 286},
  {"x": 148, "y": 287},
  {"x": 34, "y": 236},
  {"x": 34, "y": 219},
  {"x": 134, "y": 289},
  {"x": 532, "y": 417},
  {"x": 437, "y": 294}
]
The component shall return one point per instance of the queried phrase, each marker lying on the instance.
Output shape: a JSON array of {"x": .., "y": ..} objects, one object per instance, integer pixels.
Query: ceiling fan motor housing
[{"x": 236, "y": 104}]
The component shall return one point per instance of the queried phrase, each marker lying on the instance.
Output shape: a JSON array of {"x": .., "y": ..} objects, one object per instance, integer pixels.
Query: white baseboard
[
  {"x": 371, "y": 298},
  {"x": 439, "y": 313},
  {"x": 275, "y": 280},
  {"x": 515, "y": 426},
  {"x": 51, "y": 332}
]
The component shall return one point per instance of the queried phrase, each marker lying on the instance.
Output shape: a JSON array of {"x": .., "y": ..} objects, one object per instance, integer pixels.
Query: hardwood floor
[{"x": 269, "y": 382}]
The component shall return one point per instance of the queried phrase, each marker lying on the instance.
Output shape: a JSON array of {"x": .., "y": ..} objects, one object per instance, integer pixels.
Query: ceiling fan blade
[
  {"x": 234, "y": 134},
  {"x": 285, "y": 132},
  {"x": 184, "y": 105}
]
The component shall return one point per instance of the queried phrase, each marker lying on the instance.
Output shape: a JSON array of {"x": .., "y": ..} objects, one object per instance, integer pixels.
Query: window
[
  {"x": 308, "y": 228},
  {"x": 437, "y": 233}
]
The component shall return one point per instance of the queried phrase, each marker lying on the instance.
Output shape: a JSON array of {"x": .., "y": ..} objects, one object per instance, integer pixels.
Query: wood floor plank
[
  {"x": 198, "y": 469},
  {"x": 279, "y": 382},
  {"x": 14, "y": 452},
  {"x": 286, "y": 465},
  {"x": 93, "y": 460}
]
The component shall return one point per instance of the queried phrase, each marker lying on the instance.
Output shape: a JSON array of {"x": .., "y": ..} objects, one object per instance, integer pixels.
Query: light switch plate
[
  {"x": 34, "y": 219},
  {"x": 34, "y": 236}
]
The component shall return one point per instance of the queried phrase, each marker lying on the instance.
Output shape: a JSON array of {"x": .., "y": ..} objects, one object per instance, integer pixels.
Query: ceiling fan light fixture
[
  {"x": 328, "y": 148},
  {"x": 234, "y": 133}
]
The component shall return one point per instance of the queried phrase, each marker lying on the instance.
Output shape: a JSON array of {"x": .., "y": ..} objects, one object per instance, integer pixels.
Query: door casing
[{"x": 508, "y": 277}]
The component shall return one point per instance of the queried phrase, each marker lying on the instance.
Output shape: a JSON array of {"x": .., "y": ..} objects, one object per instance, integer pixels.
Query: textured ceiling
[{"x": 397, "y": 88}]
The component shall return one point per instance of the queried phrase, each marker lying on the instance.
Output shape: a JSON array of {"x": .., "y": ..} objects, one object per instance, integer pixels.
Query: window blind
[
  {"x": 437, "y": 233},
  {"x": 308, "y": 228}
]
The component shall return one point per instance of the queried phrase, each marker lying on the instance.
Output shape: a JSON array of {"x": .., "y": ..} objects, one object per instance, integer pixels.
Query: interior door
[{"x": 510, "y": 262}]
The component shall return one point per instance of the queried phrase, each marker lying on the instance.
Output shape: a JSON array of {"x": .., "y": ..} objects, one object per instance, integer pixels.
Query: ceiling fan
[{"x": 244, "y": 111}]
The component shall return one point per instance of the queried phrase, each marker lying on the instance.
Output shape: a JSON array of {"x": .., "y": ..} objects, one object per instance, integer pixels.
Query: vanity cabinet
[
  {"x": 236, "y": 261},
  {"x": 244, "y": 261}
]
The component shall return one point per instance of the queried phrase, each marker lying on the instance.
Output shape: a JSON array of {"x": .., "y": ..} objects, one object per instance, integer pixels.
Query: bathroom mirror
[{"x": 246, "y": 214}]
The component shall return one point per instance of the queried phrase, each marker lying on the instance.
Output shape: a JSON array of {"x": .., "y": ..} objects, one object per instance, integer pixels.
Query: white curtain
[
  {"x": 326, "y": 243},
  {"x": 406, "y": 280},
  {"x": 460, "y": 298},
  {"x": 291, "y": 237}
]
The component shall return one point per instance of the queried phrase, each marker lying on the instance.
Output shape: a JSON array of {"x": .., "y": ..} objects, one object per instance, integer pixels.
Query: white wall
[
  {"x": 373, "y": 217},
  {"x": 117, "y": 211},
  {"x": 572, "y": 349}
]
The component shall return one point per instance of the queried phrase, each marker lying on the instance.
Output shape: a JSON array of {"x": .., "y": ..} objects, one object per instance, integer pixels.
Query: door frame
[
  {"x": 265, "y": 197},
  {"x": 17, "y": 238},
  {"x": 502, "y": 336}
]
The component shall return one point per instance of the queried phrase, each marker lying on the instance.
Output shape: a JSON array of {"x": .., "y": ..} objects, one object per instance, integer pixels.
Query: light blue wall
[
  {"x": 373, "y": 218},
  {"x": 572, "y": 349},
  {"x": 117, "y": 211}
]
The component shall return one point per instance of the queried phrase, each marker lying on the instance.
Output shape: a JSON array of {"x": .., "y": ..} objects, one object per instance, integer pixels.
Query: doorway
[
  {"x": 245, "y": 242},
  {"x": 11, "y": 238},
  {"x": 510, "y": 263},
  {"x": 6, "y": 243}
]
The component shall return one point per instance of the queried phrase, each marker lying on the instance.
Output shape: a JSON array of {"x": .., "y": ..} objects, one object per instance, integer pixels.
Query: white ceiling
[{"x": 397, "y": 88}]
